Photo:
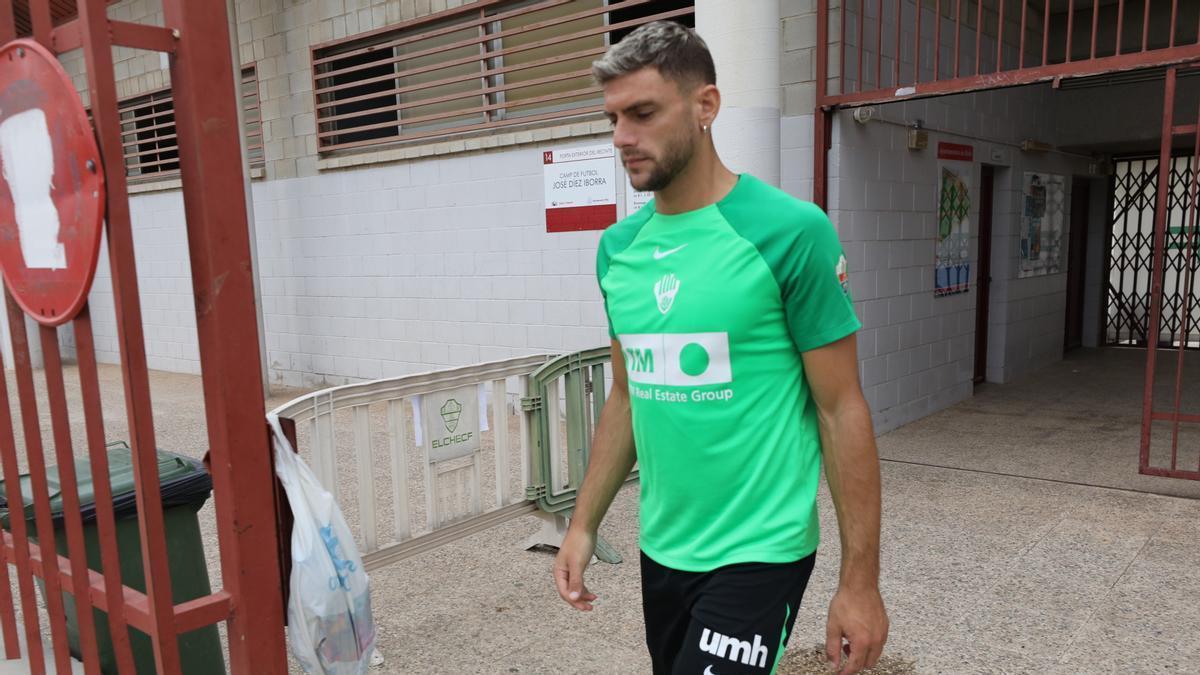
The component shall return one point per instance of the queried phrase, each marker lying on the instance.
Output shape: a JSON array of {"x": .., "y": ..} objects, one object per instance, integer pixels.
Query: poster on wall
[
  {"x": 1043, "y": 211},
  {"x": 952, "y": 255},
  {"x": 580, "y": 188}
]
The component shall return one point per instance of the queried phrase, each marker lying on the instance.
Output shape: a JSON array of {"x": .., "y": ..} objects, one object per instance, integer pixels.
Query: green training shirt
[{"x": 712, "y": 309}]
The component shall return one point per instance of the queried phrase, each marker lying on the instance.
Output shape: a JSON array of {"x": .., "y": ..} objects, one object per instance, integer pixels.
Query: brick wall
[
  {"x": 798, "y": 92},
  {"x": 137, "y": 72},
  {"x": 798, "y": 63}
]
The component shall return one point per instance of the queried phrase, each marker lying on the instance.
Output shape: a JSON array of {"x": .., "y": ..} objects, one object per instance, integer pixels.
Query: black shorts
[{"x": 734, "y": 619}]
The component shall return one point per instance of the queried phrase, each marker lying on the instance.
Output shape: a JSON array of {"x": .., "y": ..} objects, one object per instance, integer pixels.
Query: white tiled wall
[
  {"x": 381, "y": 271},
  {"x": 398, "y": 269},
  {"x": 796, "y": 156},
  {"x": 914, "y": 350},
  {"x": 1027, "y": 316},
  {"x": 917, "y": 351},
  {"x": 164, "y": 284}
]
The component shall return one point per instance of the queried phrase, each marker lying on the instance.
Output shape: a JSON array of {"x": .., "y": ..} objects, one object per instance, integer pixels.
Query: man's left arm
[{"x": 856, "y": 614}]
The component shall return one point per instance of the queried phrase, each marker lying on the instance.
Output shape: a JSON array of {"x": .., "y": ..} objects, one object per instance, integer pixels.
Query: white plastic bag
[{"x": 329, "y": 611}]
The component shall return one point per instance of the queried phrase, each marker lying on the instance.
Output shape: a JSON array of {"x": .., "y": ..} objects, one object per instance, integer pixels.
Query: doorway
[
  {"x": 984, "y": 277},
  {"x": 1076, "y": 263}
]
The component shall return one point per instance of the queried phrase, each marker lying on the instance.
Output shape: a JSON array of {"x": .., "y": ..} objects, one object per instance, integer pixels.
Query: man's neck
[{"x": 706, "y": 180}]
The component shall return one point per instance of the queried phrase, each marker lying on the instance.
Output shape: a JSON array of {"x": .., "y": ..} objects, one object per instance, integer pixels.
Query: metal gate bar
[
  {"x": 1160, "y": 217},
  {"x": 89, "y": 381},
  {"x": 72, "y": 513},
  {"x": 35, "y": 457},
  {"x": 210, "y": 159},
  {"x": 8, "y": 619},
  {"x": 1149, "y": 415},
  {"x": 1188, "y": 253},
  {"x": 1189, "y": 219},
  {"x": 97, "y": 48},
  {"x": 226, "y": 321},
  {"x": 995, "y": 66},
  {"x": 17, "y": 544}
]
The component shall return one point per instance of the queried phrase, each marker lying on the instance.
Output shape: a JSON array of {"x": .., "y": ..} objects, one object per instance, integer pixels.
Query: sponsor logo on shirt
[
  {"x": 843, "y": 274},
  {"x": 678, "y": 360},
  {"x": 733, "y": 649}
]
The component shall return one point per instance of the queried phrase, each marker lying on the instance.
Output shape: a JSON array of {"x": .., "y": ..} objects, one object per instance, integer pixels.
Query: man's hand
[
  {"x": 613, "y": 457},
  {"x": 573, "y": 558},
  {"x": 856, "y": 613},
  {"x": 858, "y": 618}
]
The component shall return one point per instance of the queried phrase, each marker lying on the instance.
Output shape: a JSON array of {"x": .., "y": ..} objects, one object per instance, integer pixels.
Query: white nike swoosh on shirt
[
  {"x": 709, "y": 671},
  {"x": 659, "y": 255}
]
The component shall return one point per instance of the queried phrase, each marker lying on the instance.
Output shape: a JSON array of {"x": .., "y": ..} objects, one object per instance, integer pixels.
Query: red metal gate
[
  {"x": 196, "y": 37},
  {"x": 1171, "y": 431},
  {"x": 872, "y": 51}
]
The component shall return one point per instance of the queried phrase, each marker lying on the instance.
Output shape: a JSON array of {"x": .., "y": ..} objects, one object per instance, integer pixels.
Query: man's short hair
[{"x": 675, "y": 50}]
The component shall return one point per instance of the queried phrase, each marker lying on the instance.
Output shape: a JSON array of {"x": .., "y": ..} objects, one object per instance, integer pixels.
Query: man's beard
[{"x": 675, "y": 158}]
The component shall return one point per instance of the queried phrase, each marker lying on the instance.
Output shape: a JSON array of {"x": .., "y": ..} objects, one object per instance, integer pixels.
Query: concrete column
[
  {"x": 1099, "y": 220},
  {"x": 744, "y": 38},
  {"x": 231, "y": 10}
]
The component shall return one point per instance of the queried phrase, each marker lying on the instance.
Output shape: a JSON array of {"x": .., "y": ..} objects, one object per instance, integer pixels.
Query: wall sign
[
  {"x": 452, "y": 423},
  {"x": 580, "y": 188},
  {"x": 956, "y": 152}
]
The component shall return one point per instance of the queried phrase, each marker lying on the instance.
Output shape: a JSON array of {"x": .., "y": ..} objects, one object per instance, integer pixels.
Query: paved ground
[
  {"x": 1077, "y": 421},
  {"x": 1001, "y": 554},
  {"x": 984, "y": 572}
]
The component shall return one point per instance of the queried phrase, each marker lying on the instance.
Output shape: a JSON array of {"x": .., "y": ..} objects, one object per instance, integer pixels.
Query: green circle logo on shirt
[{"x": 693, "y": 360}]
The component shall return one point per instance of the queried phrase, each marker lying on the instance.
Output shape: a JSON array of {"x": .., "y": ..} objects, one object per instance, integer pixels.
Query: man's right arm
[{"x": 613, "y": 456}]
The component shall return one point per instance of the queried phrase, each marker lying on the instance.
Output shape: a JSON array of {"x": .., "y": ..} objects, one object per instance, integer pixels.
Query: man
[{"x": 734, "y": 372}]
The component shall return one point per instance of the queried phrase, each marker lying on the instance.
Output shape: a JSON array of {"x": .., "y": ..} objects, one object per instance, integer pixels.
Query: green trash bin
[{"x": 184, "y": 486}]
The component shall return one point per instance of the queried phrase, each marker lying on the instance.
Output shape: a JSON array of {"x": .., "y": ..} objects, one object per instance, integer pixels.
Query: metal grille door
[{"x": 1131, "y": 255}]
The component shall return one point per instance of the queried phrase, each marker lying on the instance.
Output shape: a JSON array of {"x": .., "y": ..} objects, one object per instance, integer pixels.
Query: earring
[{"x": 704, "y": 128}]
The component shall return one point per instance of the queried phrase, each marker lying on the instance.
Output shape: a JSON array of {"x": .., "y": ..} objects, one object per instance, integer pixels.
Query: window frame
[
  {"x": 494, "y": 112},
  {"x": 162, "y": 103}
]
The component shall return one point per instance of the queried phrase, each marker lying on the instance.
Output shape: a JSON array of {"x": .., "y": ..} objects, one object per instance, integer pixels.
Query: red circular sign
[{"x": 51, "y": 186}]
